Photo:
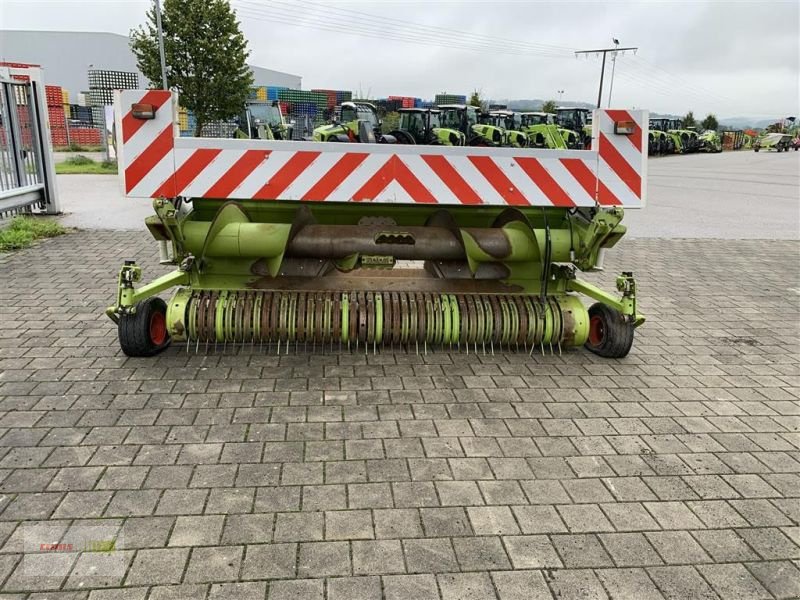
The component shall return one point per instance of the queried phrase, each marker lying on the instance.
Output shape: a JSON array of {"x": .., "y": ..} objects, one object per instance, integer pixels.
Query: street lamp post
[
  {"x": 560, "y": 95},
  {"x": 613, "y": 65}
]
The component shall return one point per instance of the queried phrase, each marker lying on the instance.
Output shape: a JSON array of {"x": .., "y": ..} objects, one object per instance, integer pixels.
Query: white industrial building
[{"x": 66, "y": 56}]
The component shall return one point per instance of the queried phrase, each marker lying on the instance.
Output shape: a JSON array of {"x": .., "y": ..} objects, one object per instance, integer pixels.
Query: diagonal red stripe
[
  {"x": 620, "y": 166},
  {"x": 186, "y": 173},
  {"x": 587, "y": 180},
  {"x": 394, "y": 170},
  {"x": 148, "y": 159},
  {"x": 131, "y": 125},
  {"x": 237, "y": 173},
  {"x": 502, "y": 184},
  {"x": 539, "y": 175},
  {"x": 624, "y": 115},
  {"x": 447, "y": 173},
  {"x": 335, "y": 176},
  {"x": 278, "y": 183}
]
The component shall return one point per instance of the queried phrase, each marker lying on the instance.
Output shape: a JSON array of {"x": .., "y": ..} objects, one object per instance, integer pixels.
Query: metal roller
[{"x": 372, "y": 319}]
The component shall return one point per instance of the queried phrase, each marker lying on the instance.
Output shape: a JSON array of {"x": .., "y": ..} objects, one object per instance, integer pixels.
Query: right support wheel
[
  {"x": 144, "y": 332},
  {"x": 610, "y": 332}
]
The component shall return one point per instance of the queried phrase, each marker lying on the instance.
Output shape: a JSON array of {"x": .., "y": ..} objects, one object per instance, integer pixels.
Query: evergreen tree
[{"x": 206, "y": 56}]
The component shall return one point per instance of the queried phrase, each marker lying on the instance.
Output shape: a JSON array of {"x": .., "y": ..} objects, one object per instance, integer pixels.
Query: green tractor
[
  {"x": 710, "y": 141},
  {"x": 666, "y": 140},
  {"x": 511, "y": 124},
  {"x": 356, "y": 122},
  {"x": 575, "y": 125},
  {"x": 690, "y": 140},
  {"x": 422, "y": 126},
  {"x": 463, "y": 118},
  {"x": 265, "y": 121},
  {"x": 542, "y": 130}
]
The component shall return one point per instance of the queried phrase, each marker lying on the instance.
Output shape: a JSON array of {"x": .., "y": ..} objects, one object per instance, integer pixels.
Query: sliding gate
[{"x": 27, "y": 175}]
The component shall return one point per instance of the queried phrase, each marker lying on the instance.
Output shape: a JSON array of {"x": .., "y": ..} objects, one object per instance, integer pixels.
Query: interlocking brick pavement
[{"x": 671, "y": 474}]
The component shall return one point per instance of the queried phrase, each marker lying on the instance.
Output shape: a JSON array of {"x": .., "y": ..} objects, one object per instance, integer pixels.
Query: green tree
[
  {"x": 476, "y": 99},
  {"x": 688, "y": 120},
  {"x": 549, "y": 106},
  {"x": 391, "y": 121},
  {"x": 710, "y": 122},
  {"x": 206, "y": 56}
]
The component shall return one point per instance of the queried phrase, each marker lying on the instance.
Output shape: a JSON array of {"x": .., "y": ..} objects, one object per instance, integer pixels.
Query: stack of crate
[
  {"x": 336, "y": 97},
  {"x": 56, "y": 116},
  {"x": 445, "y": 98},
  {"x": 306, "y": 108},
  {"x": 405, "y": 101}
]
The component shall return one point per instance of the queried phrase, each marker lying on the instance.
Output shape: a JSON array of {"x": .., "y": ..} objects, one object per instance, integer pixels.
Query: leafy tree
[
  {"x": 205, "y": 53},
  {"x": 710, "y": 122},
  {"x": 549, "y": 106},
  {"x": 688, "y": 120},
  {"x": 391, "y": 121},
  {"x": 475, "y": 99}
]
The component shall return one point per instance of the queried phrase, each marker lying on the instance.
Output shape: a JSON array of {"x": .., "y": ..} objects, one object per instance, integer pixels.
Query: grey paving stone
[
  {"x": 397, "y": 523},
  {"x": 531, "y": 552},
  {"x": 298, "y": 527},
  {"x": 630, "y": 549},
  {"x": 197, "y": 531},
  {"x": 379, "y": 557},
  {"x": 214, "y": 563},
  {"x": 520, "y": 585},
  {"x": 270, "y": 561},
  {"x": 99, "y": 569},
  {"x": 781, "y": 578},
  {"x": 157, "y": 566},
  {"x": 297, "y": 589},
  {"x": 466, "y": 586},
  {"x": 240, "y": 591},
  {"x": 492, "y": 520},
  {"x": 681, "y": 583},
  {"x": 403, "y": 587},
  {"x": 577, "y": 583},
  {"x": 733, "y": 581},
  {"x": 445, "y": 522},
  {"x": 724, "y": 545},
  {"x": 429, "y": 555},
  {"x": 349, "y": 525},
  {"x": 581, "y": 550},
  {"x": 677, "y": 547},
  {"x": 629, "y": 583},
  {"x": 538, "y": 519},
  {"x": 480, "y": 553},
  {"x": 354, "y": 588}
]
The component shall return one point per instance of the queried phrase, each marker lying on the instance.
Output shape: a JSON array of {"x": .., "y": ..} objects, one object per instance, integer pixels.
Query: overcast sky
[{"x": 730, "y": 58}]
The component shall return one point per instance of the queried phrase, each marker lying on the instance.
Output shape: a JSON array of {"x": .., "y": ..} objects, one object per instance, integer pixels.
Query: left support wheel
[
  {"x": 144, "y": 333},
  {"x": 610, "y": 332}
]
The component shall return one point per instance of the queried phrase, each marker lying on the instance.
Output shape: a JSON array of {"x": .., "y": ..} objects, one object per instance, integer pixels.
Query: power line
[{"x": 604, "y": 51}]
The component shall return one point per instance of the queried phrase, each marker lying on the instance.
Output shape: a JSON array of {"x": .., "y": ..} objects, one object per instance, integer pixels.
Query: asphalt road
[{"x": 733, "y": 195}]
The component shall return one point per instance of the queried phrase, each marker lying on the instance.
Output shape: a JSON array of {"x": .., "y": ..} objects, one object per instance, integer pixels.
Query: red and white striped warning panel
[{"x": 155, "y": 162}]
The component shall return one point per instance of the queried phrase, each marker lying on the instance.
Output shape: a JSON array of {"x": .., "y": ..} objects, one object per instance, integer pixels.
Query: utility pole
[
  {"x": 613, "y": 68},
  {"x": 161, "y": 45},
  {"x": 603, "y": 51}
]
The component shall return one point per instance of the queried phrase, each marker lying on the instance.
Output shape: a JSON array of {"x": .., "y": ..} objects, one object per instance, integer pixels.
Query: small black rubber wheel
[
  {"x": 144, "y": 333},
  {"x": 610, "y": 332}
]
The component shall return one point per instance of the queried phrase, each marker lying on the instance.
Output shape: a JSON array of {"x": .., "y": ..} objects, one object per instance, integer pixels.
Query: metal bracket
[
  {"x": 128, "y": 296},
  {"x": 626, "y": 304}
]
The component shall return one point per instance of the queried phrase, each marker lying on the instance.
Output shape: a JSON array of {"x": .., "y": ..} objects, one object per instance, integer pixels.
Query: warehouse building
[{"x": 66, "y": 56}]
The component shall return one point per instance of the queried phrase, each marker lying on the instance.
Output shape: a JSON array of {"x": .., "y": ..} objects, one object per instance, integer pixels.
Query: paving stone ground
[{"x": 672, "y": 474}]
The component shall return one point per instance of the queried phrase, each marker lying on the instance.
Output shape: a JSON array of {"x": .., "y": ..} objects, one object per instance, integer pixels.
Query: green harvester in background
[{"x": 542, "y": 130}]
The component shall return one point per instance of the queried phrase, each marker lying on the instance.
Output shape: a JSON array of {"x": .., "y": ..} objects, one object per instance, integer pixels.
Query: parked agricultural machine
[
  {"x": 511, "y": 125},
  {"x": 709, "y": 141},
  {"x": 422, "y": 126},
  {"x": 779, "y": 142},
  {"x": 295, "y": 247},
  {"x": 575, "y": 127},
  {"x": 265, "y": 121},
  {"x": 356, "y": 122},
  {"x": 542, "y": 130},
  {"x": 464, "y": 118}
]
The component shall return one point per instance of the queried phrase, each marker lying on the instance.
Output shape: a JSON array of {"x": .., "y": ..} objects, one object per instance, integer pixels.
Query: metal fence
[{"x": 27, "y": 176}]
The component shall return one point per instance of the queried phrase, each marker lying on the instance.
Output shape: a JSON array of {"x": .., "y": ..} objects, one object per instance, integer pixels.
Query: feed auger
[{"x": 305, "y": 245}]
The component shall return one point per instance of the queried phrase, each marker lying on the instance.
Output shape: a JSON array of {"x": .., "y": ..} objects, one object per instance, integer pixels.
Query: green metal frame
[{"x": 240, "y": 246}]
